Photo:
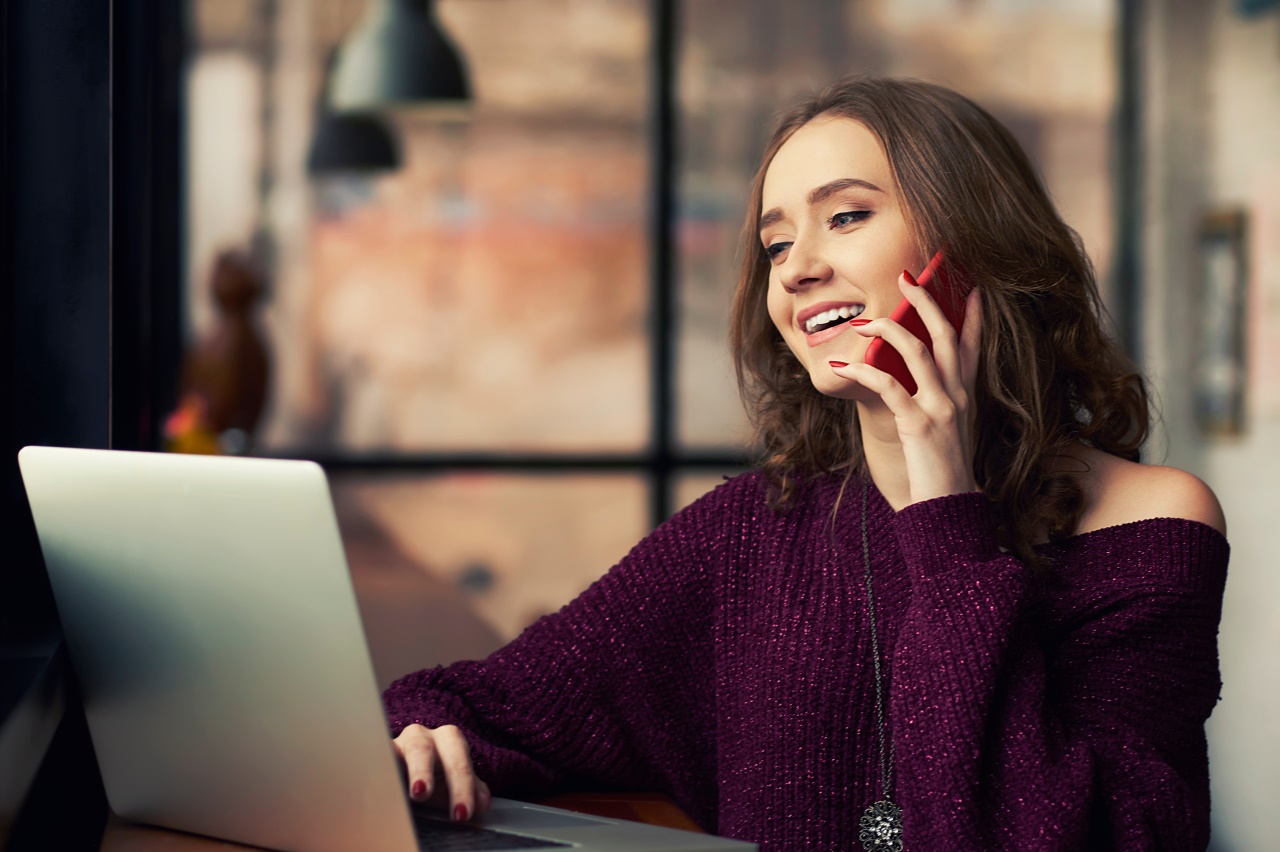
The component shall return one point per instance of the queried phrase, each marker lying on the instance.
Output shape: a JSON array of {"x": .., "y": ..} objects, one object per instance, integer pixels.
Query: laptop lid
[{"x": 210, "y": 617}]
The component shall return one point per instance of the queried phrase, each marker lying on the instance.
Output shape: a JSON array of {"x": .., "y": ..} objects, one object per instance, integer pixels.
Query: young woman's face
[{"x": 836, "y": 234}]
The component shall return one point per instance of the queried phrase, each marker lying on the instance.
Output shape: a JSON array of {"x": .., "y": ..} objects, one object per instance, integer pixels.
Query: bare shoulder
[{"x": 1118, "y": 491}]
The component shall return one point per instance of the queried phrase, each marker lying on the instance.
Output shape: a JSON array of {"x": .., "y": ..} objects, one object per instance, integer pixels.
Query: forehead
[{"x": 827, "y": 148}]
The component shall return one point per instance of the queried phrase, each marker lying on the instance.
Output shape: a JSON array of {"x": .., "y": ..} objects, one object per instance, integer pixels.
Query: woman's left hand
[{"x": 935, "y": 425}]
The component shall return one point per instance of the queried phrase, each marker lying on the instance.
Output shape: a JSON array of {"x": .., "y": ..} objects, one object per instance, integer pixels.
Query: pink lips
[{"x": 821, "y": 337}]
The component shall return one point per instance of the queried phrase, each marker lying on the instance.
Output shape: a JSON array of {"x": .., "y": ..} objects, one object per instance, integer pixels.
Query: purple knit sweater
[{"x": 726, "y": 661}]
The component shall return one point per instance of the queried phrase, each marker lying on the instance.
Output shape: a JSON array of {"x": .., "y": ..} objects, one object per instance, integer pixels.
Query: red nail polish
[
  {"x": 911, "y": 279},
  {"x": 838, "y": 363},
  {"x": 460, "y": 813},
  {"x": 419, "y": 787}
]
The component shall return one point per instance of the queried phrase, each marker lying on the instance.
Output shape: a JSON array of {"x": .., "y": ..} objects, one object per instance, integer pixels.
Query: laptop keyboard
[{"x": 437, "y": 834}]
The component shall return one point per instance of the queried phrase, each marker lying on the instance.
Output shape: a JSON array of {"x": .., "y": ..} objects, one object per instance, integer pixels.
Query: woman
[{"x": 964, "y": 618}]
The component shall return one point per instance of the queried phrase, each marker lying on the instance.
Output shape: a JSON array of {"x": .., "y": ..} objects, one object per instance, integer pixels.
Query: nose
[{"x": 803, "y": 268}]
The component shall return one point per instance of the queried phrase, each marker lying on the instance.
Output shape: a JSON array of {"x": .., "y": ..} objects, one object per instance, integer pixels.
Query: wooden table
[{"x": 652, "y": 808}]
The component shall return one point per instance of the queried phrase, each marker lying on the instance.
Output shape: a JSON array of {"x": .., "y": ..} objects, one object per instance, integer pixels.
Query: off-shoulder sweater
[{"x": 726, "y": 661}]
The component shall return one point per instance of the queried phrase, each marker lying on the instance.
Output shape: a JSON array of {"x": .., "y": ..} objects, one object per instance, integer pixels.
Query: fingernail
[
  {"x": 911, "y": 279},
  {"x": 838, "y": 363},
  {"x": 419, "y": 787},
  {"x": 460, "y": 813}
]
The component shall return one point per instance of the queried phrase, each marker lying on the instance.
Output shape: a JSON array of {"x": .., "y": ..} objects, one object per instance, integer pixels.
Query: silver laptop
[{"x": 210, "y": 619}]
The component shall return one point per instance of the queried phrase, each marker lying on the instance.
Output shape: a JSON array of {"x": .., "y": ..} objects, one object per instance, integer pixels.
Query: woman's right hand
[{"x": 438, "y": 763}]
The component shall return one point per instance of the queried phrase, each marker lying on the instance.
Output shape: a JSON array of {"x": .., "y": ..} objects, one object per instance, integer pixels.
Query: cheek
[
  {"x": 779, "y": 304},
  {"x": 780, "y": 312}
]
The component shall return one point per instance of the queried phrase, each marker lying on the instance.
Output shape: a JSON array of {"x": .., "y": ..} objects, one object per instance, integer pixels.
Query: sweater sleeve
[
  {"x": 616, "y": 688},
  {"x": 1089, "y": 735}
]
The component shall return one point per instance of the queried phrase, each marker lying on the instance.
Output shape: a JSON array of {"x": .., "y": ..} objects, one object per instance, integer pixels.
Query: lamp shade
[
  {"x": 352, "y": 142},
  {"x": 398, "y": 57}
]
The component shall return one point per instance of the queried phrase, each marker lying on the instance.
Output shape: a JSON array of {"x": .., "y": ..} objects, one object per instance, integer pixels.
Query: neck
[{"x": 883, "y": 452}]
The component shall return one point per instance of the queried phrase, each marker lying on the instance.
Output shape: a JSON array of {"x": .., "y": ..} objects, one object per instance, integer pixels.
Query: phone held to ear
[{"x": 949, "y": 289}]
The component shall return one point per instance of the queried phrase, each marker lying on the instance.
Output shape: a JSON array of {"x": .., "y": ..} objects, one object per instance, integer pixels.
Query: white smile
[{"x": 835, "y": 316}]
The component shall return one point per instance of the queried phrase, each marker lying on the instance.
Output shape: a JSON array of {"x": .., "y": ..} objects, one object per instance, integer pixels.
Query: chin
[{"x": 829, "y": 384}]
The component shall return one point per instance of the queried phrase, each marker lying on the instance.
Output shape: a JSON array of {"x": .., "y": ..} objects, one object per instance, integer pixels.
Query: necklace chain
[
  {"x": 887, "y": 759},
  {"x": 881, "y": 824}
]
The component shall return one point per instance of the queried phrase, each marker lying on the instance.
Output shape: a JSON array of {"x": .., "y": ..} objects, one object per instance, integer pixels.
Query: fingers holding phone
[
  {"x": 912, "y": 348},
  {"x": 947, "y": 350},
  {"x": 941, "y": 292}
]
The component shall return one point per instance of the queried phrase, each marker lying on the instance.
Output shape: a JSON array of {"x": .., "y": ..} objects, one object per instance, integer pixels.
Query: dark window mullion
[{"x": 662, "y": 298}]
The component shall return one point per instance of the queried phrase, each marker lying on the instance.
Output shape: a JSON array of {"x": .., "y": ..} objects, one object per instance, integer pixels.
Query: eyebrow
[{"x": 817, "y": 195}]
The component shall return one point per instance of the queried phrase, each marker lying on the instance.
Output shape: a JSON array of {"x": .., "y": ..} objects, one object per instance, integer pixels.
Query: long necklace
[{"x": 880, "y": 828}]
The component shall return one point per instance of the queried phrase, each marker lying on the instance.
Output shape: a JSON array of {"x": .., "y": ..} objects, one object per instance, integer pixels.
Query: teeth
[{"x": 827, "y": 317}]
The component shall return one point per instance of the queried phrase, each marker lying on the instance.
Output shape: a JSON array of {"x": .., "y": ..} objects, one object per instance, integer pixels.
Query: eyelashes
[
  {"x": 847, "y": 218},
  {"x": 843, "y": 219}
]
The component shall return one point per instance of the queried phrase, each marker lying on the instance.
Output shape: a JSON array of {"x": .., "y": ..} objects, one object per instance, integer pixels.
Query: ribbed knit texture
[{"x": 726, "y": 661}]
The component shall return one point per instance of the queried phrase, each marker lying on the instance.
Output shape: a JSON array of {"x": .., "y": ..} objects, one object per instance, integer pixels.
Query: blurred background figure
[{"x": 225, "y": 378}]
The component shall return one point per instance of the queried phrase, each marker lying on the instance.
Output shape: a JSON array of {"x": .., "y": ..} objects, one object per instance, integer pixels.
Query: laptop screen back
[{"x": 206, "y": 605}]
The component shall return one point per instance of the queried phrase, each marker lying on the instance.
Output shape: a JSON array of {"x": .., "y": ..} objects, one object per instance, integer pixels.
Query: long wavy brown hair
[{"x": 1048, "y": 373}]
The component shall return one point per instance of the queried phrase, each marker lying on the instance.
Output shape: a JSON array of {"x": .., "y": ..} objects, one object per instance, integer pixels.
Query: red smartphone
[{"x": 949, "y": 289}]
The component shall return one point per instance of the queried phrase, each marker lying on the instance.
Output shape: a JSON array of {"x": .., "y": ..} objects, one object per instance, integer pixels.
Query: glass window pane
[
  {"x": 492, "y": 292},
  {"x": 452, "y": 567},
  {"x": 1046, "y": 69}
]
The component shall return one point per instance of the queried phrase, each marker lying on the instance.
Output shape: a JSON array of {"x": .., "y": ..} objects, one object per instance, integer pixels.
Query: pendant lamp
[
  {"x": 398, "y": 58},
  {"x": 350, "y": 142}
]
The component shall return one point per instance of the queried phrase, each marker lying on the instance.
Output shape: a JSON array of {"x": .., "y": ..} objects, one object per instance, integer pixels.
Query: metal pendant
[{"x": 880, "y": 828}]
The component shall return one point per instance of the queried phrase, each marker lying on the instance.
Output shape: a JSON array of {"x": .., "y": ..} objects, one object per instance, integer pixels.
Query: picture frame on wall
[{"x": 1220, "y": 375}]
